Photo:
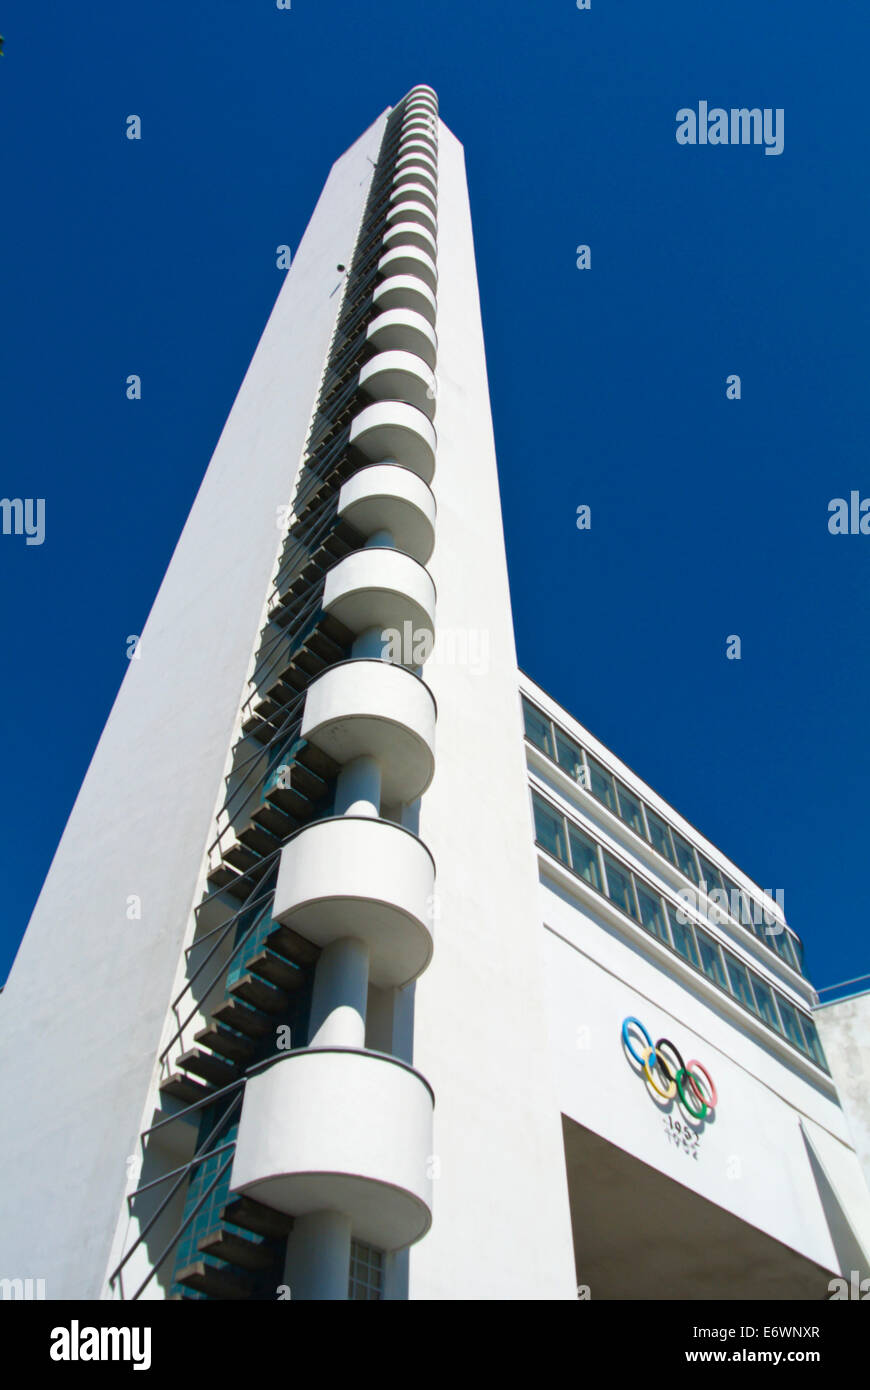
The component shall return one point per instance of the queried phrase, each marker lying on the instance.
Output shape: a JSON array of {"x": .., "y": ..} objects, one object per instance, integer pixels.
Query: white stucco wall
[
  {"x": 81, "y": 1016},
  {"x": 501, "y": 1224},
  {"x": 844, "y": 1028}
]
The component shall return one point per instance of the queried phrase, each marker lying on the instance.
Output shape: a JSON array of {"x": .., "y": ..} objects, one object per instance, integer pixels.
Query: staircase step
[
  {"x": 291, "y": 801},
  {"x": 258, "y": 839},
  {"x": 254, "y": 1256},
  {"x": 216, "y": 1070},
  {"x": 216, "y": 1282},
  {"x": 260, "y": 994},
  {"x": 277, "y": 971},
  {"x": 257, "y": 1217},
  {"x": 235, "y": 1014},
  {"x": 309, "y": 783},
  {"x": 227, "y": 1044},
  {"x": 183, "y": 1088},
  {"x": 274, "y": 820},
  {"x": 316, "y": 761},
  {"x": 288, "y": 943}
]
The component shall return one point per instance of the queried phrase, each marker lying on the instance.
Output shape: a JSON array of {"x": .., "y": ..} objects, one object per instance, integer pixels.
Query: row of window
[
  {"x": 641, "y": 902},
  {"x": 664, "y": 839}
]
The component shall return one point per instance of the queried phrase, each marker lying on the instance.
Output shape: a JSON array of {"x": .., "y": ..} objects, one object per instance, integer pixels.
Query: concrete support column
[
  {"x": 317, "y": 1267},
  {"x": 382, "y": 538},
  {"x": 339, "y": 996},
  {"x": 369, "y": 644},
  {"x": 358, "y": 788}
]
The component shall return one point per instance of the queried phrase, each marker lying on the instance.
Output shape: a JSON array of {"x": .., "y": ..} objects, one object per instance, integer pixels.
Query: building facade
[{"x": 389, "y": 1001}]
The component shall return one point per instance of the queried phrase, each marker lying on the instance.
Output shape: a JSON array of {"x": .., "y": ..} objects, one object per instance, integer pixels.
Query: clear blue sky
[{"x": 608, "y": 386}]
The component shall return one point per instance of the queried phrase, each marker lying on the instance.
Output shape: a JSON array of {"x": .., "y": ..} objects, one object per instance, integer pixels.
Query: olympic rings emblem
[{"x": 681, "y": 1078}]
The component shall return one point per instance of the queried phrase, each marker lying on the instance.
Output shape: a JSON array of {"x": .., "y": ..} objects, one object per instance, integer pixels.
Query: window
[
  {"x": 711, "y": 958},
  {"x": 660, "y": 836},
  {"x": 601, "y": 785},
  {"x": 569, "y": 756},
  {"x": 584, "y": 857},
  {"x": 733, "y": 895},
  {"x": 781, "y": 943},
  {"x": 766, "y": 1003},
  {"x": 629, "y": 809},
  {"x": 549, "y": 829},
  {"x": 652, "y": 913},
  {"x": 366, "y": 1272},
  {"x": 739, "y": 979},
  {"x": 684, "y": 939},
  {"x": 813, "y": 1042},
  {"x": 619, "y": 887},
  {"x": 686, "y": 861},
  {"x": 791, "y": 1024},
  {"x": 538, "y": 729},
  {"x": 710, "y": 875}
]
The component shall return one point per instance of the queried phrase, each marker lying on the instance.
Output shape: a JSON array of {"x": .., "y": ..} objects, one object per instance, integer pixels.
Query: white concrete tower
[{"x": 241, "y": 992}]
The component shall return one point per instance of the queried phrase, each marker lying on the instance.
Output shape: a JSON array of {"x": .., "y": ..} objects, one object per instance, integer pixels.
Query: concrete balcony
[
  {"x": 419, "y": 193},
  {"x": 400, "y": 376},
  {"x": 420, "y": 120},
  {"x": 383, "y": 589},
  {"x": 396, "y": 431},
  {"x": 416, "y": 173},
  {"x": 364, "y": 878},
  {"x": 386, "y": 496},
  {"x": 410, "y": 234},
  {"x": 422, "y": 157},
  {"x": 404, "y": 331},
  {"x": 415, "y": 145},
  {"x": 370, "y": 708},
  {"x": 420, "y": 129},
  {"x": 422, "y": 105},
  {"x": 406, "y": 292},
  {"x": 340, "y": 1130},
  {"x": 409, "y": 260},
  {"x": 410, "y": 211}
]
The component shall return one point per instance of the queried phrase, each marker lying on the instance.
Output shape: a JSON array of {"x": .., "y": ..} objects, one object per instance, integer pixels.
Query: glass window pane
[
  {"x": 733, "y": 895},
  {"x": 619, "y": 887},
  {"x": 629, "y": 809},
  {"x": 538, "y": 729},
  {"x": 739, "y": 979},
  {"x": 570, "y": 757},
  {"x": 745, "y": 910},
  {"x": 814, "y": 1045},
  {"x": 686, "y": 861},
  {"x": 549, "y": 828},
  {"x": 684, "y": 938},
  {"x": 781, "y": 943},
  {"x": 660, "y": 836},
  {"x": 601, "y": 785},
  {"x": 711, "y": 958},
  {"x": 652, "y": 913},
  {"x": 710, "y": 874},
  {"x": 791, "y": 1024},
  {"x": 764, "y": 1000},
  {"x": 584, "y": 857}
]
